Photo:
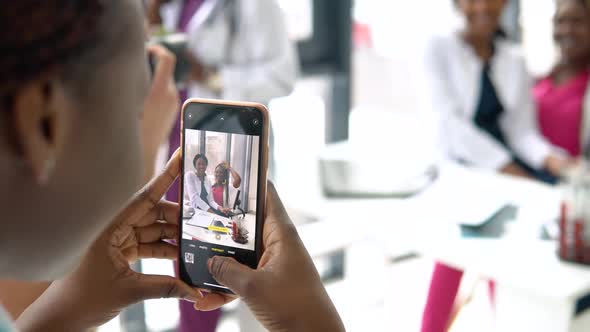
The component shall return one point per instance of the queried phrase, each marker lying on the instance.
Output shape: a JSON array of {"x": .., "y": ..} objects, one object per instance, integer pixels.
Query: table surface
[
  {"x": 428, "y": 223},
  {"x": 193, "y": 231}
]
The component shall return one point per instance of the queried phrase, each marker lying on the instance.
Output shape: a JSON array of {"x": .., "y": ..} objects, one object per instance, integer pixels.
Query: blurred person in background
[
  {"x": 239, "y": 50},
  {"x": 480, "y": 91},
  {"x": 481, "y": 94},
  {"x": 563, "y": 97}
]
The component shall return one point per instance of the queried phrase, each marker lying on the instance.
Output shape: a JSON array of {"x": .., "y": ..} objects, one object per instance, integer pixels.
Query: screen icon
[{"x": 189, "y": 258}]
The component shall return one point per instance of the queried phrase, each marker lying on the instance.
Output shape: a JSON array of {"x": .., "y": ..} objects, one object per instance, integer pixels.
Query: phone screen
[{"x": 223, "y": 172}]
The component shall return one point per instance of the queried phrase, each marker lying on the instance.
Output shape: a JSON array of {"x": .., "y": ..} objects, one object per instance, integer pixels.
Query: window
[
  {"x": 299, "y": 16},
  {"x": 217, "y": 151}
]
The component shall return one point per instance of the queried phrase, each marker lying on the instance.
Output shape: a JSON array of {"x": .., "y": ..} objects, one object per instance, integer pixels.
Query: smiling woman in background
[
  {"x": 562, "y": 97},
  {"x": 481, "y": 94}
]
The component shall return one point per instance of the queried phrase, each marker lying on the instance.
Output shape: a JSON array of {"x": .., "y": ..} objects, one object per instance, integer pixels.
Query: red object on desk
[
  {"x": 562, "y": 232},
  {"x": 579, "y": 241},
  {"x": 235, "y": 233}
]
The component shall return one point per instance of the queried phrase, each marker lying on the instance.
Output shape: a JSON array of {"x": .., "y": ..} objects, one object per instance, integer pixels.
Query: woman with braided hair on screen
[
  {"x": 227, "y": 181},
  {"x": 73, "y": 88}
]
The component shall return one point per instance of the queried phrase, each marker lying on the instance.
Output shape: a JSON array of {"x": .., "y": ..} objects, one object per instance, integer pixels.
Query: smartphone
[
  {"x": 222, "y": 186},
  {"x": 177, "y": 44}
]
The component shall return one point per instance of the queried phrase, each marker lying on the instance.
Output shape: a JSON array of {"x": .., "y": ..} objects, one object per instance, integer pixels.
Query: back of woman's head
[
  {"x": 39, "y": 36},
  {"x": 73, "y": 80}
]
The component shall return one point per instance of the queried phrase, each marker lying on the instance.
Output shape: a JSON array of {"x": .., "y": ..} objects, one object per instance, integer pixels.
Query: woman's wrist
[
  {"x": 320, "y": 317},
  {"x": 514, "y": 170},
  {"x": 556, "y": 165},
  {"x": 57, "y": 309}
]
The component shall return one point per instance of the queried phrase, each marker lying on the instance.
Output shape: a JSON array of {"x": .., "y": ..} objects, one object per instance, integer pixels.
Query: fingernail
[
  {"x": 191, "y": 298},
  {"x": 194, "y": 298}
]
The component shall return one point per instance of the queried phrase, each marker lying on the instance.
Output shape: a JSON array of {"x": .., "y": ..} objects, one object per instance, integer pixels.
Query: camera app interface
[{"x": 220, "y": 191}]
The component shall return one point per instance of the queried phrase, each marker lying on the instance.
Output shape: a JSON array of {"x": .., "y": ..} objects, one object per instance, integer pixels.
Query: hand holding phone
[
  {"x": 214, "y": 134},
  {"x": 285, "y": 291},
  {"x": 104, "y": 283},
  {"x": 161, "y": 106},
  {"x": 186, "y": 64}
]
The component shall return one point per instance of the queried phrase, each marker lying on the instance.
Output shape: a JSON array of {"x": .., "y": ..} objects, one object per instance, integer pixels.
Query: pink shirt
[
  {"x": 218, "y": 194},
  {"x": 560, "y": 111}
]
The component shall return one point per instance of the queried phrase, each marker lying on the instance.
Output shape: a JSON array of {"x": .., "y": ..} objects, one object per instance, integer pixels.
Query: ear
[{"x": 38, "y": 115}]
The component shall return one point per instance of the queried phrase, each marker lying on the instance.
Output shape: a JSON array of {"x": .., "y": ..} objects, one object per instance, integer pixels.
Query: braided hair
[
  {"x": 39, "y": 37},
  {"x": 224, "y": 182},
  {"x": 224, "y": 171}
]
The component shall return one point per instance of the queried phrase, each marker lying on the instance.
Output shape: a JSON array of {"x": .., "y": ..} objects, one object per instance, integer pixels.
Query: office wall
[{"x": 386, "y": 75}]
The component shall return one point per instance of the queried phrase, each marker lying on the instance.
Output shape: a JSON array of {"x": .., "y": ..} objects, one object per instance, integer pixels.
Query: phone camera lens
[{"x": 256, "y": 122}]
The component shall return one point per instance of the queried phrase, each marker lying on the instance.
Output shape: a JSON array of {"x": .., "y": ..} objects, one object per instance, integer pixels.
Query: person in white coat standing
[{"x": 239, "y": 50}]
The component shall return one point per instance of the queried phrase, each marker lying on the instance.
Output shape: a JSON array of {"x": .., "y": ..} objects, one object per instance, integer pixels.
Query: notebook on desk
[
  {"x": 480, "y": 213},
  {"x": 493, "y": 227},
  {"x": 465, "y": 197}
]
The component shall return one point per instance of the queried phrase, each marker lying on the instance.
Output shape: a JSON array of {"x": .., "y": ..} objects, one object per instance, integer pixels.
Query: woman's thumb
[
  {"x": 155, "y": 287},
  {"x": 232, "y": 274}
]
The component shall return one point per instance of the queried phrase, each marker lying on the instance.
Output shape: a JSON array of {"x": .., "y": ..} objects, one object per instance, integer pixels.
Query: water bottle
[{"x": 574, "y": 223}]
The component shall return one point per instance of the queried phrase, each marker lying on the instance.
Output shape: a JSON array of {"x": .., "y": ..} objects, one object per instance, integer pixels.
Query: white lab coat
[
  {"x": 454, "y": 74},
  {"x": 193, "y": 186},
  {"x": 258, "y": 64}
]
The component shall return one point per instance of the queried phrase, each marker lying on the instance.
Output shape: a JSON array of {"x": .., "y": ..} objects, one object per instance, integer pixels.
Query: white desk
[
  {"x": 196, "y": 228},
  {"x": 535, "y": 291}
]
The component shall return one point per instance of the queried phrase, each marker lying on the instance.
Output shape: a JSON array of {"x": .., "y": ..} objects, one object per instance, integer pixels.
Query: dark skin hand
[
  {"x": 161, "y": 108},
  {"x": 515, "y": 170},
  {"x": 198, "y": 71},
  {"x": 104, "y": 284},
  {"x": 555, "y": 165},
  {"x": 153, "y": 11},
  {"x": 285, "y": 292}
]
